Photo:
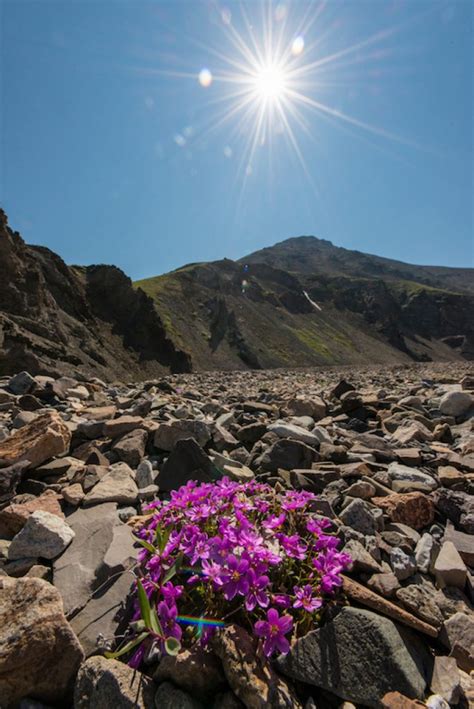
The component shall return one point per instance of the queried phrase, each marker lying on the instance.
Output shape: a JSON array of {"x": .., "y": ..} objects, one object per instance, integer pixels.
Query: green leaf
[
  {"x": 173, "y": 570},
  {"x": 172, "y": 646},
  {"x": 155, "y": 623},
  {"x": 126, "y": 648},
  {"x": 144, "y": 603},
  {"x": 149, "y": 547}
]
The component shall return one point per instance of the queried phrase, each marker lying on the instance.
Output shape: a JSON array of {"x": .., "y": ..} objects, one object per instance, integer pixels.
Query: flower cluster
[{"x": 231, "y": 552}]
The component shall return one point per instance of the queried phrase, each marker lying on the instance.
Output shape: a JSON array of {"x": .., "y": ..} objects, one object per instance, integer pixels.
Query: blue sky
[{"x": 112, "y": 151}]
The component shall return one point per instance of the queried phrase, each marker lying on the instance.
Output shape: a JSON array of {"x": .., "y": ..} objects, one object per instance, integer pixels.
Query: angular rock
[
  {"x": 197, "y": 671},
  {"x": 386, "y": 584},
  {"x": 464, "y": 543},
  {"x": 445, "y": 680},
  {"x": 362, "y": 561},
  {"x": 449, "y": 568},
  {"x": 405, "y": 479},
  {"x": 403, "y": 565},
  {"x": 426, "y": 551},
  {"x": 254, "y": 683},
  {"x": 458, "y": 636},
  {"x": 421, "y": 602},
  {"x": 14, "y": 517},
  {"x": 457, "y": 507},
  {"x": 39, "y": 652},
  {"x": 296, "y": 433},
  {"x": 167, "y": 435},
  {"x": 359, "y": 656},
  {"x": 73, "y": 494},
  {"x": 288, "y": 454},
  {"x": 186, "y": 462},
  {"x": 117, "y": 485},
  {"x": 144, "y": 475},
  {"x": 102, "y": 547},
  {"x": 114, "y": 428},
  {"x": 302, "y": 406},
  {"x": 44, "y": 535},
  {"x": 413, "y": 508},
  {"x": 38, "y": 441},
  {"x": 359, "y": 516},
  {"x": 131, "y": 447},
  {"x": 22, "y": 383},
  {"x": 103, "y": 684}
]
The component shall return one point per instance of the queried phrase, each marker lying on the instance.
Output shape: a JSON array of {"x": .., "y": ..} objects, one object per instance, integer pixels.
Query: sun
[{"x": 271, "y": 82}]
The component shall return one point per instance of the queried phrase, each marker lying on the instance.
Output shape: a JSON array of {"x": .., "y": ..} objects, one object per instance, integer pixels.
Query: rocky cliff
[{"x": 56, "y": 319}]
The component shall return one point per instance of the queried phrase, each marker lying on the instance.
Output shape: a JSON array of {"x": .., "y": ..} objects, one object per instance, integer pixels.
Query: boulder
[
  {"x": 359, "y": 656},
  {"x": 38, "y": 441},
  {"x": 103, "y": 684},
  {"x": 456, "y": 403},
  {"x": 44, "y": 535},
  {"x": 39, "y": 653}
]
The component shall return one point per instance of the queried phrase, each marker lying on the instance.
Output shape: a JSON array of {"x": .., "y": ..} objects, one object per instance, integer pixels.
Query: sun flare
[{"x": 271, "y": 82}]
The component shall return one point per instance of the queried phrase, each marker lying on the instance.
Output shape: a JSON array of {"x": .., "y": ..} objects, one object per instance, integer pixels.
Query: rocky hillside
[
  {"x": 306, "y": 302},
  {"x": 56, "y": 319},
  {"x": 388, "y": 452}
]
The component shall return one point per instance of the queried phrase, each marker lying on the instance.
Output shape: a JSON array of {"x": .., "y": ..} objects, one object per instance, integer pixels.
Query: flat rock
[
  {"x": 38, "y": 441},
  {"x": 39, "y": 652},
  {"x": 296, "y": 433},
  {"x": 102, "y": 546},
  {"x": 43, "y": 535},
  {"x": 405, "y": 479},
  {"x": 114, "y": 428},
  {"x": 359, "y": 656},
  {"x": 103, "y": 684},
  {"x": 464, "y": 543},
  {"x": 288, "y": 454},
  {"x": 420, "y": 601},
  {"x": 446, "y": 680},
  {"x": 117, "y": 485}
]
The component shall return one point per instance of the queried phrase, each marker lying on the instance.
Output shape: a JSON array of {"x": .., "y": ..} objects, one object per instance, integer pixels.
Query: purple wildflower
[
  {"x": 305, "y": 599},
  {"x": 257, "y": 594},
  {"x": 234, "y": 578},
  {"x": 273, "y": 631}
]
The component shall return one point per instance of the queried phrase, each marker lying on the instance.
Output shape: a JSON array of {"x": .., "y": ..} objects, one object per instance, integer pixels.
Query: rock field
[{"x": 390, "y": 454}]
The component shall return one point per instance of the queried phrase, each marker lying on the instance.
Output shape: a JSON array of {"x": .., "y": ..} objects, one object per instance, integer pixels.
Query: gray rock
[
  {"x": 359, "y": 656},
  {"x": 420, "y": 601},
  {"x": 405, "y": 479},
  {"x": 103, "y": 684},
  {"x": 22, "y": 383},
  {"x": 186, "y": 462},
  {"x": 117, "y": 485},
  {"x": 144, "y": 475},
  {"x": 362, "y": 561},
  {"x": 287, "y": 454},
  {"x": 457, "y": 506},
  {"x": 456, "y": 403},
  {"x": 196, "y": 670},
  {"x": 44, "y": 535},
  {"x": 464, "y": 543},
  {"x": 425, "y": 553},
  {"x": 359, "y": 516},
  {"x": 403, "y": 564},
  {"x": 102, "y": 614},
  {"x": 167, "y": 435},
  {"x": 446, "y": 680},
  {"x": 170, "y": 697},
  {"x": 296, "y": 433},
  {"x": 102, "y": 546}
]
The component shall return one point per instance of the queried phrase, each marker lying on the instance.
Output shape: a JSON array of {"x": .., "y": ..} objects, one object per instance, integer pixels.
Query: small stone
[
  {"x": 449, "y": 568},
  {"x": 364, "y": 490},
  {"x": 395, "y": 700},
  {"x": 425, "y": 553},
  {"x": 103, "y": 684},
  {"x": 358, "y": 515},
  {"x": 73, "y": 494},
  {"x": 144, "y": 475},
  {"x": 362, "y": 561},
  {"x": 296, "y": 433},
  {"x": 44, "y": 535},
  {"x": 403, "y": 564},
  {"x": 131, "y": 447},
  {"x": 413, "y": 508},
  {"x": 449, "y": 475},
  {"x": 386, "y": 584}
]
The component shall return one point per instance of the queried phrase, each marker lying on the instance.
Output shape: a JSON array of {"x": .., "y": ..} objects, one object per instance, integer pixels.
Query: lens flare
[
  {"x": 205, "y": 78},
  {"x": 297, "y": 46},
  {"x": 270, "y": 81}
]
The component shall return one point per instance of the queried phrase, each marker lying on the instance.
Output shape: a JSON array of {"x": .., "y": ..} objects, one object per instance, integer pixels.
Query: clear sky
[{"x": 351, "y": 121}]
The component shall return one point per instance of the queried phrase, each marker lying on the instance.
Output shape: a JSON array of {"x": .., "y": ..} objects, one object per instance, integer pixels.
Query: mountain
[
  {"x": 300, "y": 303},
  {"x": 57, "y": 319},
  {"x": 307, "y": 302}
]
